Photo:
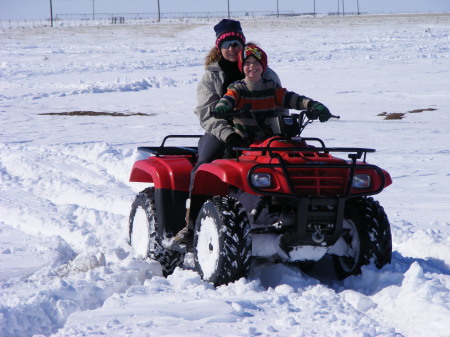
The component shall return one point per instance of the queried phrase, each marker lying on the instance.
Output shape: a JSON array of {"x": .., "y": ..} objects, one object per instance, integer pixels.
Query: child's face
[{"x": 252, "y": 69}]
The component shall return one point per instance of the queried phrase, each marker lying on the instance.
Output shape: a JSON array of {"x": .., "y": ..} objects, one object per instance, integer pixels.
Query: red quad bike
[{"x": 282, "y": 199}]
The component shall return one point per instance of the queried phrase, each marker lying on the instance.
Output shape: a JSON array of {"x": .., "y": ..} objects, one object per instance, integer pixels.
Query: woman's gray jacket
[{"x": 209, "y": 92}]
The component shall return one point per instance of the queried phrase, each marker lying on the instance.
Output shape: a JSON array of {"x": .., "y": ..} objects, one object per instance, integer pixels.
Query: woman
[{"x": 221, "y": 70}]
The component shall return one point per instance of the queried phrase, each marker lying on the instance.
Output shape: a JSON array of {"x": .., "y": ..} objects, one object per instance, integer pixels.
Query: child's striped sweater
[{"x": 264, "y": 95}]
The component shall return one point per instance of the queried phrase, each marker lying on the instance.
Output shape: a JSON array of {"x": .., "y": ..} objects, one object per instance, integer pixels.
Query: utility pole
[
  {"x": 314, "y": 7},
  {"x": 357, "y": 5},
  {"x": 338, "y": 8},
  {"x": 93, "y": 10},
  {"x": 278, "y": 12},
  {"x": 228, "y": 9},
  {"x": 159, "y": 13},
  {"x": 51, "y": 13},
  {"x": 343, "y": 9}
]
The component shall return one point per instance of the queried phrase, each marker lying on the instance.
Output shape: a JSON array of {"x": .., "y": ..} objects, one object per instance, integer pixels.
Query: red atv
[{"x": 281, "y": 199}]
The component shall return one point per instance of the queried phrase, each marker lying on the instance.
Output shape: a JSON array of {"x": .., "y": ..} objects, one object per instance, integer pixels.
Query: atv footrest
[{"x": 169, "y": 150}]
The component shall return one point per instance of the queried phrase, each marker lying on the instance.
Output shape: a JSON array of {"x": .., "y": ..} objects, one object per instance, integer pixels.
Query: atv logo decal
[{"x": 288, "y": 120}]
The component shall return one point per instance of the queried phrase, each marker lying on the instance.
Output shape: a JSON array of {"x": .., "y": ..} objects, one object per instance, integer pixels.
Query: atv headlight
[
  {"x": 361, "y": 181},
  {"x": 261, "y": 180}
]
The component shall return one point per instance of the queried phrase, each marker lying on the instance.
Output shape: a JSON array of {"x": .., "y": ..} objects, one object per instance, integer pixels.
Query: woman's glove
[
  {"x": 233, "y": 140},
  {"x": 318, "y": 110}
]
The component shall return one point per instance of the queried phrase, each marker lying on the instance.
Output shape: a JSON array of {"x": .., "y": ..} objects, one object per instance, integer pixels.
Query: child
[{"x": 263, "y": 95}]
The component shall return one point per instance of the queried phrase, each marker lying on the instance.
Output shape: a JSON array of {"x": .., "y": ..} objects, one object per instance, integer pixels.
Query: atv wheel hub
[
  {"x": 140, "y": 236},
  {"x": 208, "y": 247}
]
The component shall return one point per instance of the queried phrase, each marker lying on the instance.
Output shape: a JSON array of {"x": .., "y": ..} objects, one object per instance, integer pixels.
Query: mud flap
[{"x": 171, "y": 211}]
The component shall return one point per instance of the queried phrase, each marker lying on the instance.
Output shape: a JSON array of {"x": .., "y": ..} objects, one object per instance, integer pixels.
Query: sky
[{"x": 40, "y": 9}]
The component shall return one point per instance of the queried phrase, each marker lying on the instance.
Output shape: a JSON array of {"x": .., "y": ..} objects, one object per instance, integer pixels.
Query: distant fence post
[
  {"x": 159, "y": 13},
  {"x": 51, "y": 14},
  {"x": 118, "y": 19}
]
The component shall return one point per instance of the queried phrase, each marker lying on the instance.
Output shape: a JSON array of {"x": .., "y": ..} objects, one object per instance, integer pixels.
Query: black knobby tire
[
  {"x": 222, "y": 241},
  {"x": 145, "y": 235},
  {"x": 305, "y": 266},
  {"x": 368, "y": 232}
]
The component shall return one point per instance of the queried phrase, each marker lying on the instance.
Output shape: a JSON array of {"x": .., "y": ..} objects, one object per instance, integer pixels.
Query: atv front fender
[
  {"x": 215, "y": 178},
  {"x": 171, "y": 173}
]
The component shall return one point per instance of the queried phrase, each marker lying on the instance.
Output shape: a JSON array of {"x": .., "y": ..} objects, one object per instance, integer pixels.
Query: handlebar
[
  {"x": 248, "y": 113},
  {"x": 314, "y": 114}
]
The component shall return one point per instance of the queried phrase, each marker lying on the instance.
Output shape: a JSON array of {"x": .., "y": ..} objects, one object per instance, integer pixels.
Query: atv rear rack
[{"x": 171, "y": 150}]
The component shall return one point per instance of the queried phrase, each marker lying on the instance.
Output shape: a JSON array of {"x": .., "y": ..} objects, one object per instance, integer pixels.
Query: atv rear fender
[
  {"x": 170, "y": 176},
  {"x": 172, "y": 173}
]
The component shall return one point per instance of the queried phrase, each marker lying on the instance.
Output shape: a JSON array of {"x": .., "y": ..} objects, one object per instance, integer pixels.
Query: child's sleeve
[
  {"x": 292, "y": 100},
  {"x": 230, "y": 98}
]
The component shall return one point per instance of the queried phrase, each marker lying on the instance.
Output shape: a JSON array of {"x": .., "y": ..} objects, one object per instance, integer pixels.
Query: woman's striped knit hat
[{"x": 228, "y": 30}]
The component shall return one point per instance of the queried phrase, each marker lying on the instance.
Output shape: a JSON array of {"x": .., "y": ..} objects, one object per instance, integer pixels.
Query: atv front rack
[
  {"x": 163, "y": 150},
  {"x": 355, "y": 152},
  {"x": 354, "y": 155}
]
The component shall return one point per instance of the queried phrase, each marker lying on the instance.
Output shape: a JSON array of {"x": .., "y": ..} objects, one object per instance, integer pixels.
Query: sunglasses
[{"x": 231, "y": 43}]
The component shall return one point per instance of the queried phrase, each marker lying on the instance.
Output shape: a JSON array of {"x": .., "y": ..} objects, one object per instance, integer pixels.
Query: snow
[
  {"x": 65, "y": 265},
  {"x": 209, "y": 239}
]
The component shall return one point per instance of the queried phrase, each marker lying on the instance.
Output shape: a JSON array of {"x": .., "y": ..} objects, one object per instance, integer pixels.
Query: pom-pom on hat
[
  {"x": 255, "y": 51},
  {"x": 228, "y": 30}
]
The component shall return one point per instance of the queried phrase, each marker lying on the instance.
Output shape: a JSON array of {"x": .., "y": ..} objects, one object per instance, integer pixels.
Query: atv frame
[{"x": 281, "y": 198}]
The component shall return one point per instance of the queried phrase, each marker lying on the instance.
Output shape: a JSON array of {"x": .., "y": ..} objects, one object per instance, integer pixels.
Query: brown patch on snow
[
  {"x": 421, "y": 110},
  {"x": 401, "y": 115},
  {"x": 393, "y": 115},
  {"x": 95, "y": 113}
]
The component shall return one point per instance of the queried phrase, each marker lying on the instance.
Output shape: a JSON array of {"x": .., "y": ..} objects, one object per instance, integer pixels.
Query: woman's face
[{"x": 230, "y": 50}]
